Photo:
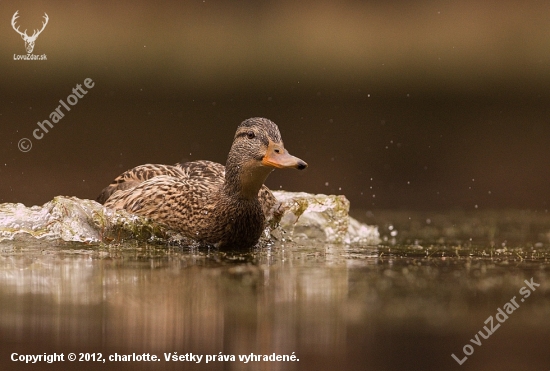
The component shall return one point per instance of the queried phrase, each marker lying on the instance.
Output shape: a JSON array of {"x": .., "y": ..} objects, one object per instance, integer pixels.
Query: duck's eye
[{"x": 250, "y": 135}]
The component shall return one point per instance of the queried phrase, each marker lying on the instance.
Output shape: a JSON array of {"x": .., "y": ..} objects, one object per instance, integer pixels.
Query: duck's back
[{"x": 210, "y": 172}]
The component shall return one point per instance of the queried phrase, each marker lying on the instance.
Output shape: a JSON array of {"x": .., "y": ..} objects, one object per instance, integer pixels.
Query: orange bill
[{"x": 276, "y": 156}]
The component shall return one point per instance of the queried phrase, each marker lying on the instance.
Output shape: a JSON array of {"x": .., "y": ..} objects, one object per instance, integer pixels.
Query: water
[{"x": 407, "y": 304}]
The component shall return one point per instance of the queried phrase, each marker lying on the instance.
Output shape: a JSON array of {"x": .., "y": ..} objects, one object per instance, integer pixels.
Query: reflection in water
[{"x": 333, "y": 306}]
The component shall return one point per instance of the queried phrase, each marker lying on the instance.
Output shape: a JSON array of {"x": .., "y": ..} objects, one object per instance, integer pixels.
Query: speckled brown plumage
[{"x": 223, "y": 206}]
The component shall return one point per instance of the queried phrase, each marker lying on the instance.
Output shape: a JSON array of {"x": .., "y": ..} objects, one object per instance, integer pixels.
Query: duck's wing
[
  {"x": 208, "y": 170},
  {"x": 268, "y": 201},
  {"x": 211, "y": 172},
  {"x": 131, "y": 178},
  {"x": 175, "y": 202}
]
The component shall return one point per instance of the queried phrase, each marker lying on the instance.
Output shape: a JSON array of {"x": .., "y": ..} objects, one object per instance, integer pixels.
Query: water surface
[{"x": 403, "y": 305}]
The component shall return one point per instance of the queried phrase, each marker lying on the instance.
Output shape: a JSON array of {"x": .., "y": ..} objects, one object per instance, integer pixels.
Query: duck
[{"x": 227, "y": 207}]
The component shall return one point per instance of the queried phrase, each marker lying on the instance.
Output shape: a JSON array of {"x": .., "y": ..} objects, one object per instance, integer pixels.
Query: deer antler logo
[{"x": 29, "y": 40}]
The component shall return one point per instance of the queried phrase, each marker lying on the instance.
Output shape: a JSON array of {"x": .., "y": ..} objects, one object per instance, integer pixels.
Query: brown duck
[{"x": 225, "y": 206}]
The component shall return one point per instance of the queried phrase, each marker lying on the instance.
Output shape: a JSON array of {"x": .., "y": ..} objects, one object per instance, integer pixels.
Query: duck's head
[{"x": 256, "y": 151}]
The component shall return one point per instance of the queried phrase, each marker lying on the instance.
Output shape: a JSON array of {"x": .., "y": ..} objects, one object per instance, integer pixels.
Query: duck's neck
[{"x": 243, "y": 180}]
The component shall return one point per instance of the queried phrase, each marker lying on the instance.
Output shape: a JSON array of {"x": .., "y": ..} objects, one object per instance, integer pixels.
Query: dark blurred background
[{"x": 426, "y": 105}]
